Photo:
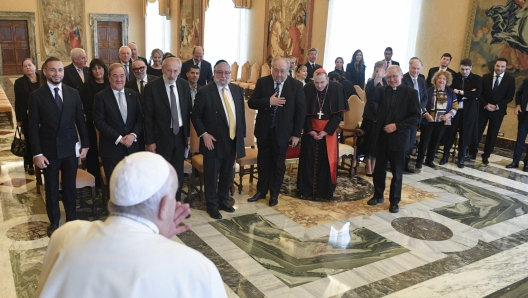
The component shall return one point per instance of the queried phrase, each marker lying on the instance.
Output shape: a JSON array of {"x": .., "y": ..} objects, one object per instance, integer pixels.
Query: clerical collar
[{"x": 140, "y": 220}]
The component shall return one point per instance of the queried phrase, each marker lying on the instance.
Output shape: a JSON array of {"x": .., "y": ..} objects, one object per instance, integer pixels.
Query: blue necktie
[
  {"x": 496, "y": 82},
  {"x": 58, "y": 100},
  {"x": 274, "y": 115}
]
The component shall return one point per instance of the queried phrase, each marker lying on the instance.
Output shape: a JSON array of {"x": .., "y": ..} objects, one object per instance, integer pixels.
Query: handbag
[{"x": 18, "y": 147}]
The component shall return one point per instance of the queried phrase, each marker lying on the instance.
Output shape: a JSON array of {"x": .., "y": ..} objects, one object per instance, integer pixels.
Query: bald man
[
  {"x": 76, "y": 73},
  {"x": 206, "y": 71},
  {"x": 135, "y": 53}
]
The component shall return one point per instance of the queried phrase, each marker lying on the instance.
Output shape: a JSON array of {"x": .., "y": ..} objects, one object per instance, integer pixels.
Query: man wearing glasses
[
  {"x": 218, "y": 116},
  {"x": 281, "y": 107}
]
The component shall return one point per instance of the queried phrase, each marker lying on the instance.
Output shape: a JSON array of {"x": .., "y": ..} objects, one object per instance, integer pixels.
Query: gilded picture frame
[
  {"x": 191, "y": 27},
  {"x": 61, "y": 27},
  {"x": 288, "y": 29}
]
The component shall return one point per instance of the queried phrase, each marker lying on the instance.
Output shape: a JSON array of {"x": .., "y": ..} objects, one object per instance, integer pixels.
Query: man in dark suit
[
  {"x": 218, "y": 117},
  {"x": 293, "y": 64},
  {"x": 444, "y": 63},
  {"x": 55, "y": 118},
  {"x": 398, "y": 112},
  {"x": 76, "y": 73},
  {"x": 206, "y": 71},
  {"x": 135, "y": 54},
  {"x": 414, "y": 80},
  {"x": 468, "y": 87},
  {"x": 124, "y": 58},
  {"x": 521, "y": 110},
  {"x": 498, "y": 89},
  {"x": 118, "y": 118},
  {"x": 281, "y": 107},
  {"x": 167, "y": 116},
  {"x": 193, "y": 74},
  {"x": 388, "y": 57},
  {"x": 311, "y": 66}
]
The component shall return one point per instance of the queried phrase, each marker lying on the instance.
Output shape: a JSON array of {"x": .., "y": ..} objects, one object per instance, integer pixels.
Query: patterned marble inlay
[
  {"x": 298, "y": 262},
  {"x": 28, "y": 231},
  {"x": 16, "y": 182},
  {"x": 26, "y": 203},
  {"x": 500, "y": 172},
  {"x": 421, "y": 228},
  {"x": 26, "y": 266},
  {"x": 483, "y": 207}
]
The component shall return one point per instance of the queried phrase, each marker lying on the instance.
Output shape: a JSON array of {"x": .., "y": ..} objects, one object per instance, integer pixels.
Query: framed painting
[
  {"x": 61, "y": 27},
  {"x": 288, "y": 25},
  {"x": 191, "y": 27}
]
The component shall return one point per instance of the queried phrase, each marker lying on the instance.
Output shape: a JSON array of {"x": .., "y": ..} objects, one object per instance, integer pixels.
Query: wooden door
[
  {"x": 14, "y": 42},
  {"x": 109, "y": 41}
]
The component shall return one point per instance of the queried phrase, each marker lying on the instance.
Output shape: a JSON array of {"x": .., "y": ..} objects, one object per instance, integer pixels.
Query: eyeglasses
[
  {"x": 139, "y": 68},
  {"x": 220, "y": 72}
]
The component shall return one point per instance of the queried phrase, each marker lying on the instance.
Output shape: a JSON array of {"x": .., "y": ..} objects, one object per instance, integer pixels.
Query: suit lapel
[
  {"x": 163, "y": 93},
  {"x": 50, "y": 103},
  {"x": 130, "y": 106},
  {"x": 68, "y": 105},
  {"x": 218, "y": 102},
  {"x": 112, "y": 101},
  {"x": 181, "y": 98}
]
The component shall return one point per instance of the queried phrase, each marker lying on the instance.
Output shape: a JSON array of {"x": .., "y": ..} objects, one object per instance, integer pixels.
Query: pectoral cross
[{"x": 320, "y": 114}]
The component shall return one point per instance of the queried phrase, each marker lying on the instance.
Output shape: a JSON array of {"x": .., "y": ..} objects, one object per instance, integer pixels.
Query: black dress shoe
[
  {"x": 525, "y": 168},
  {"x": 369, "y": 175},
  {"x": 443, "y": 161},
  {"x": 51, "y": 229},
  {"x": 409, "y": 170},
  {"x": 461, "y": 164},
  {"x": 214, "y": 213},
  {"x": 430, "y": 164},
  {"x": 273, "y": 201},
  {"x": 485, "y": 160},
  {"x": 188, "y": 216},
  {"x": 226, "y": 208},
  {"x": 31, "y": 171},
  {"x": 471, "y": 157},
  {"x": 418, "y": 165},
  {"x": 394, "y": 209},
  {"x": 256, "y": 197},
  {"x": 374, "y": 201},
  {"x": 305, "y": 198},
  {"x": 513, "y": 165}
]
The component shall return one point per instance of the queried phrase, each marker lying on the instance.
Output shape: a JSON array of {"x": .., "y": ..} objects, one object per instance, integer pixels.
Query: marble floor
[{"x": 459, "y": 233}]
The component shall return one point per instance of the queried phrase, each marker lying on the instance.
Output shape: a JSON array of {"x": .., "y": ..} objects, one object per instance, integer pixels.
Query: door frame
[
  {"x": 94, "y": 18},
  {"x": 29, "y": 17}
]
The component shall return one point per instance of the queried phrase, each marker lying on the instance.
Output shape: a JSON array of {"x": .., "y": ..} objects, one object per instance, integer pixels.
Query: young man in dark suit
[
  {"x": 193, "y": 75},
  {"x": 498, "y": 89},
  {"x": 414, "y": 80},
  {"x": 444, "y": 63},
  {"x": 468, "y": 87},
  {"x": 398, "y": 112},
  {"x": 167, "y": 116},
  {"x": 55, "y": 118},
  {"x": 118, "y": 118},
  {"x": 281, "y": 107},
  {"x": 206, "y": 72},
  {"x": 219, "y": 119},
  {"x": 311, "y": 66},
  {"x": 388, "y": 57},
  {"x": 521, "y": 110},
  {"x": 76, "y": 73}
]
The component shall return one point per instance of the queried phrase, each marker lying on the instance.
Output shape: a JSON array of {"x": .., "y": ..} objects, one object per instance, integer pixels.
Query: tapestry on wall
[
  {"x": 191, "y": 25},
  {"x": 288, "y": 29},
  {"x": 61, "y": 27}
]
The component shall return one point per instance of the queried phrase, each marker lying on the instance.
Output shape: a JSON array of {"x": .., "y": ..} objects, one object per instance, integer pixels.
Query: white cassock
[{"x": 124, "y": 257}]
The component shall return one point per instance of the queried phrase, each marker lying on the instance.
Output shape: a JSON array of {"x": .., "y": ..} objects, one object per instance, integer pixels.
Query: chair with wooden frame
[
  {"x": 251, "y": 152},
  {"x": 351, "y": 132}
]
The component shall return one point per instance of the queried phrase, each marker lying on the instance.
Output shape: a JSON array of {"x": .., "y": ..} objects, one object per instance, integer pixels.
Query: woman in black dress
[
  {"x": 355, "y": 70},
  {"x": 155, "y": 69},
  {"x": 24, "y": 85},
  {"x": 97, "y": 81},
  {"x": 339, "y": 67}
]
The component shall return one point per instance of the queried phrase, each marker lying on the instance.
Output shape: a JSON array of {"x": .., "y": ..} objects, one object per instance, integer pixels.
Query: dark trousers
[
  {"x": 494, "y": 122},
  {"x": 457, "y": 124},
  {"x": 522, "y": 131},
  {"x": 28, "y": 157},
  {"x": 429, "y": 139},
  {"x": 270, "y": 163},
  {"x": 174, "y": 153},
  {"x": 397, "y": 162},
  {"x": 410, "y": 145},
  {"x": 109, "y": 165},
  {"x": 68, "y": 168},
  {"x": 92, "y": 157},
  {"x": 221, "y": 170}
]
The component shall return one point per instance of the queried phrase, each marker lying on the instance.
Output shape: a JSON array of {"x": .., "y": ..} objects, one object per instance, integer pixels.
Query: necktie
[
  {"x": 58, "y": 100},
  {"x": 230, "y": 115},
  {"x": 126, "y": 70},
  {"x": 142, "y": 86},
  {"x": 496, "y": 84},
  {"x": 81, "y": 74},
  {"x": 415, "y": 82},
  {"x": 122, "y": 106},
  {"x": 174, "y": 112},
  {"x": 274, "y": 113}
]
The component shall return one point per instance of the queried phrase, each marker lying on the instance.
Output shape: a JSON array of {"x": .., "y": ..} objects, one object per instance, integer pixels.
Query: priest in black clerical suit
[{"x": 325, "y": 103}]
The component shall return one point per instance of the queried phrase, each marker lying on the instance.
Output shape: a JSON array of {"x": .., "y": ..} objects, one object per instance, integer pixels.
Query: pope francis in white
[{"x": 129, "y": 254}]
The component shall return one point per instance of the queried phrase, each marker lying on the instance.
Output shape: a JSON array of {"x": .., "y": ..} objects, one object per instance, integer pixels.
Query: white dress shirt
[{"x": 168, "y": 89}]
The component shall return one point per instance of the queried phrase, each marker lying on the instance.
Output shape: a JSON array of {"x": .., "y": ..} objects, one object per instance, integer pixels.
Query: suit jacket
[
  {"x": 54, "y": 133},
  {"x": 206, "y": 71},
  {"x": 290, "y": 117},
  {"x": 310, "y": 71},
  {"x": 209, "y": 116},
  {"x": 132, "y": 85},
  {"x": 89, "y": 90},
  {"x": 158, "y": 113},
  {"x": 109, "y": 123},
  {"x": 501, "y": 96},
  {"x": 521, "y": 97},
  {"x": 432, "y": 72},
  {"x": 404, "y": 111},
  {"x": 357, "y": 78},
  {"x": 23, "y": 88},
  {"x": 393, "y": 63},
  {"x": 407, "y": 81},
  {"x": 72, "y": 77}
]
